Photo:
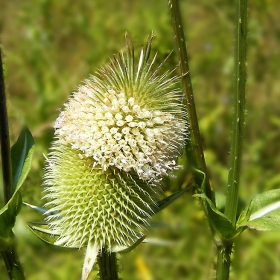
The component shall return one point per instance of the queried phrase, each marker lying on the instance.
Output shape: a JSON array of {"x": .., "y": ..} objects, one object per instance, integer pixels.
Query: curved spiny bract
[{"x": 87, "y": 204}]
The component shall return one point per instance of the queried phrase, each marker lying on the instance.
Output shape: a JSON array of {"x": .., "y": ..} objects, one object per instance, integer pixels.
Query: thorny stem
[
  {"x": 195, "y": 151},
  {"x": 224, "y": 252},
  {"x": 238, "y": 111},
  {"x": 194, "y": 147},
  {"x": 107, "y": 265},
  {"x": 13, "y": 265},
  {"x": 10, "y": 257},
  {"x": 223, "y": 261}
]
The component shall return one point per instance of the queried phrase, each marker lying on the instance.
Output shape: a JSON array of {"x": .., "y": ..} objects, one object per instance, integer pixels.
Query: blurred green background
[{"x": 51, "y": 46}]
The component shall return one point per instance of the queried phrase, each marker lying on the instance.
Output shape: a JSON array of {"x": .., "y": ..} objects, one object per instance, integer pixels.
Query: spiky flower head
[
  {"x": 127, "y": 117},
  {"x": 116, "y": 138}
]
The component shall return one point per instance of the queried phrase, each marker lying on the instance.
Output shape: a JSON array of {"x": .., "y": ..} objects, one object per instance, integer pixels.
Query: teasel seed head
[
  {"x": 115, "y": 140},
  {"x": 127, "y": 117},
  {"x": 92, "y": 205}
]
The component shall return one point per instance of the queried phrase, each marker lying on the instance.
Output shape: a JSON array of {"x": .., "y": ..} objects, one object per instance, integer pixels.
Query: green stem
[
  {"x": 13, "y": 265},
  {"x": 194, "y": 147},
  {"x": 224, "y": 252},
  {"x": 5, "y": 139},
  {"x": 223, "y": 261},
  {"x": 10, "y": 257},
  {"x": 108, "y": 269},
  {"x": 238, "y": 111}
]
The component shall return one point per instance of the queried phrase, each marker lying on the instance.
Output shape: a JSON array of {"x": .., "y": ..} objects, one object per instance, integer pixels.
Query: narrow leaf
[
  {"x": 219, "y": 222},
  {"x": 159, "y": 242},
  {"x": 21, "y": 155},
  {"x": 34, "y": 230},
  {"x": 43, "y": 230},
  {"x": 123, "y": 249},
  {"x": 38, "y": 223},
  {"x": 167, "y": 201},
  {"x": 90, "y": 258},
  {"x": 7, "y": 219},
  {"x": 200, "y": 180},
  {"x": 39, "y": 209}
]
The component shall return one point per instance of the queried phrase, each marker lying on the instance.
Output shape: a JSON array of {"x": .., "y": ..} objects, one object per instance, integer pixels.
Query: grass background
[{"x": 51, "y": 46}]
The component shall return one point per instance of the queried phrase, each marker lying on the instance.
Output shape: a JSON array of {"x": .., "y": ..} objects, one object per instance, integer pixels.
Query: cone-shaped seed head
[
  {"x": 92, "y": 205},
  {"x": 118, "y": 135}
]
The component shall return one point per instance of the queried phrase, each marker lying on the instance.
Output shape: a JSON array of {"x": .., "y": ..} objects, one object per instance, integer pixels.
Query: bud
[{"x": 116, "y": 138}]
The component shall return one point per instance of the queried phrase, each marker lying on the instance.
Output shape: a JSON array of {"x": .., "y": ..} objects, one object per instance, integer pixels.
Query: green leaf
[
  {"x": 159, "y": 242},
  {"x": 200, "y": 180},
  {"x": 43, "y": 230},
  {"x": 38, "y": 209},
  {"x": 167, "y": 201},
  {"x": 10, "y": 211},
  {"x": 21, "y": 155},
  {"x": 219, "y": 222},
  {"x": 38, "y": 223},
  {"x": 124, "y": 249},
  {"x": 7, "y": 221},
  {"x": 34, "y": 231},
  {"x": 263, "y": 212}
]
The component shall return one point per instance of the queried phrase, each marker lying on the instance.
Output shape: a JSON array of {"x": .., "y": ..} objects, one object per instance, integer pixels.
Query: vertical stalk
[
  {"x": 224, "y": 252},
  {"x": 238, "y": 110},
  {"x": 13, "y": 265},
  {"x": 5, "y": 139},
  {"x": 10, "y": 257},
  {"x": 107, "y": 265},
  {"x": 223, "y": 262},
  {"x": 194, "y": 147}
]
